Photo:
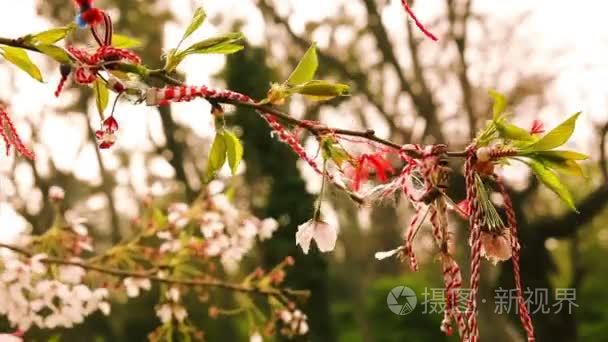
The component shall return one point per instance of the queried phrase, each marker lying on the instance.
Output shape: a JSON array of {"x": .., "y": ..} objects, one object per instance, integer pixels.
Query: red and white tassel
[
  {"x": 290, "y": 139},
  {"x": 164, "y": 96},
  {"x": 420, "y": 26},
  {"x": 524, "y": 314},
  {"x": 410, "y": 234},
  {"x": 11, "y": 137},
  {"x": 475, "y": 242}
]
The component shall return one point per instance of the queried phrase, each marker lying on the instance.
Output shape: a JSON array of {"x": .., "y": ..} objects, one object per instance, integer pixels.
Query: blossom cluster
[
  {"x": 228, "y": 233},
  {"x": 293, "y": 322},
  {"x": 29, "y": 295},
  {"x": 56, "y": 290}
]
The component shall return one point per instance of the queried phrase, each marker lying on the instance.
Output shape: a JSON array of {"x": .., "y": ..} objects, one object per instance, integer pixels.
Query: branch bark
[
  {"x": 458, "y": 32},
  {"x": 151, "y": 274},
  {"x": 568, "y": 224},
  {"x": 358, "y": 78},
  {"x": 423, "y": 100}
]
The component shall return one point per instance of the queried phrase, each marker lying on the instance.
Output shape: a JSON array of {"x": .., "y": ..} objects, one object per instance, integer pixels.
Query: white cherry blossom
[
  {"x": 133, "y": 286},
  {"x": 256, "y": 337},
  {"x": 321, "y": 232},
  {"x": 71, "y": 274}
]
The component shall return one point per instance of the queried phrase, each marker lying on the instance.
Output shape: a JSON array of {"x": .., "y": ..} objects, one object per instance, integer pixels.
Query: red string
[
  {"x": 60, "y": 85},
  {"x": 420, "y": 26},
  {"x": 11, "y": 137}
]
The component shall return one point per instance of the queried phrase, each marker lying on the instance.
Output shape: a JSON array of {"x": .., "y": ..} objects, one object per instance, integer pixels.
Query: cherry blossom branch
[
  {"x": 214, "y": 283},
  {"x": 314, "y": 128}
]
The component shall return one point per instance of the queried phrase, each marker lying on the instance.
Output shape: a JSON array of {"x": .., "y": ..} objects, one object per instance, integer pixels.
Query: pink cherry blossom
[
  {"x": 496, "y": 247},
  {"x": 324, "y": 235}
]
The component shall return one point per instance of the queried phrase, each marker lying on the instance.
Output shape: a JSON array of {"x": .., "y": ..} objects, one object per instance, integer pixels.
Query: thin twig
[{"x": 154, "y": 277}]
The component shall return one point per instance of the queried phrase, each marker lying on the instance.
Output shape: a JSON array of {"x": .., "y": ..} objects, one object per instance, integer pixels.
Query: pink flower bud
[
  {"x": 496, "y": 247},
  {"x": 110, "y": 124},
  {"x": 56, "y": 194}
]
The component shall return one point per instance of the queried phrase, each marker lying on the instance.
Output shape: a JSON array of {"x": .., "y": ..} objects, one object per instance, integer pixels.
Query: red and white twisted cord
[
  {"x": 475, "y": 242},
  {"x": 164, "y": 96},
  {"x": 451, "y": 271},
  {"x": 428, "y": 164},
  {"x": 290, "y": 139},
  {"x": 87, "y": 65},
  {"x": 420, "y": 26},
  {"x": 11, "y": 137},
  {"x": 524, "y": 314}
]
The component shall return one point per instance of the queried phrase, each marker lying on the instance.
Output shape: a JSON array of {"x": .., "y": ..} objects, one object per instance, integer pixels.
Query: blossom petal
[
  {"x": 304, "y": 235},
  {"x": 496, "y": 247},
  {"x": 325, "y": 236},
  {"x": 110, "y": 124},
  {"x": 387, "y": 254}
]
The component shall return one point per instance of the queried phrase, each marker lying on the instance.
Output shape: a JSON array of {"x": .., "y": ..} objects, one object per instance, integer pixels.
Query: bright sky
[{"x": 569, "y": 40}]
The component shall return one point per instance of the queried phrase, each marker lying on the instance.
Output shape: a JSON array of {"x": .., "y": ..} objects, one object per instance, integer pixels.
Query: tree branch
[
  {"x": 151, "y": 274},
  {"x": 423, "y": 101},
  {"x": 568, "y": 224},
  {"x": 314, "y": 128},
  {"x": 458, "y": 32},
  {"x": 358, "y": 78}
]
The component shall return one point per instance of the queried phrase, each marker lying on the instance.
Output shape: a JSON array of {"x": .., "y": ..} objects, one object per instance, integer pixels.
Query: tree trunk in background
[
  {"x": 270, "y": 162},
  {"x": 537, "y": 265}
]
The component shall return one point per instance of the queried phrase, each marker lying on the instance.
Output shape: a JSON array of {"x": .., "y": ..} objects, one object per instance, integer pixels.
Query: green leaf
[
  {"x": 222, "y": 49},
  {"x": 234, "y": 149},
  {"x": 55, "y": 53},
  {"x": 550, "y": 179},
  {"x": 225, "y": 44},
  {"x": 195, "y": 23},
  {"x": 20, "y": 59},
  {"x": 159, "y": 218},
  {"x": 277, "y": 94},
  {"x": 101, "y": 96},
  {"x": 500, "y": 103},
  {"x": 306, "y": 68},
  {"x": 566, "y": 155},
  {"x": 510, "y": 131},
  {"x": 556, "y": 137},
  {"x": 172, "y": 60},
  {"x": 561, "y": 161},
  {"x": 55, "y": 338},
  {"x": 51, "y": 36},
  {"x": 125, "y": 42},
  {"x": 568, "y": 167},
  {"x": 321, "y": 90},
  {"x": 333, "y": 151},
  {"x": 217, "y": 155}
]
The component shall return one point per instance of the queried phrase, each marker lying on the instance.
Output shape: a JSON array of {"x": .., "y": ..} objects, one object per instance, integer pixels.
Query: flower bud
[
  {"x": 56, "y": 194},
  {"x": 277, "y": 94},
  {"x": 484, "y": 154},
  {"x": 214, "y": 312},
  {"x": 116, "y": 85}
]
